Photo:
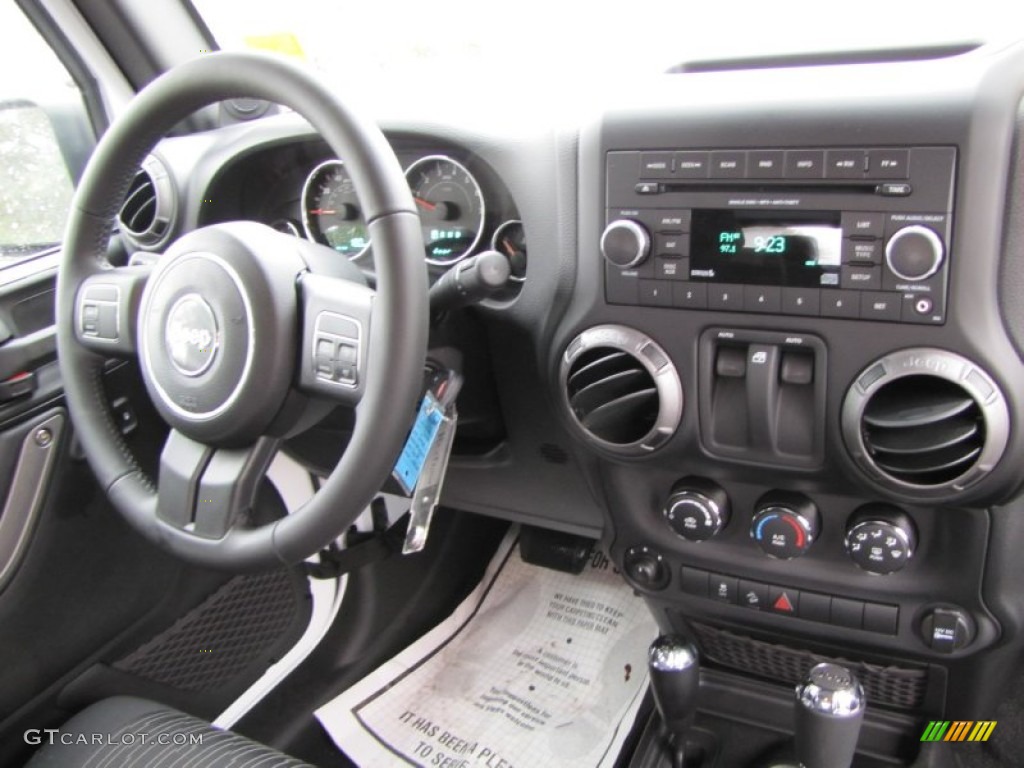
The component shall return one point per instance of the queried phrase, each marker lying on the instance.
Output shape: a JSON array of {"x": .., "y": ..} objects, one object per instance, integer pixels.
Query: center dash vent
[
  {"x": 926, "y": 420},
  {"x": 149, "y": 207},
  {"x": 621, "y": 389}
]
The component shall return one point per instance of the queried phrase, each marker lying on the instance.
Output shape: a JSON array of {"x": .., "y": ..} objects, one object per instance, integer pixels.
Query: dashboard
[{"x": 767, "y": 347}]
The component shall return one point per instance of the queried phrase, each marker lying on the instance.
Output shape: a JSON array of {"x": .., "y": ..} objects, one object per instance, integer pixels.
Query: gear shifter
[
  {"x": 829, "y": 713},
  {"x": 674, "y": 666}
]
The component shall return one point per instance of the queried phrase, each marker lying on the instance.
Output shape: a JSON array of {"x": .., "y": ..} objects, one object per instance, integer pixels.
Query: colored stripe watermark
[{"x": 958, "y": 730}]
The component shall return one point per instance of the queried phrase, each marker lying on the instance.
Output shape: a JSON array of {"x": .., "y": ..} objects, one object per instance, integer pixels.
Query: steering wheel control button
[
  {"x": 191, "y": 335},
  {"x": 914, "y": 253},
  {"x": 97, "y": 312},
  {"x": 880, "y": 539},
  {"x": 785, "y": 525},
  {"x": 697, "y": 509},
  {"x": 646, "y": 568},
  {"x": 336, "y": 356},
  {"x": 947, "y": 629}
]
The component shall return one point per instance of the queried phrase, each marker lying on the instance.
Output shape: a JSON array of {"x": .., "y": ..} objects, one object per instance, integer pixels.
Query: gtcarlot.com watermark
[{"x": 39, "y": 736}]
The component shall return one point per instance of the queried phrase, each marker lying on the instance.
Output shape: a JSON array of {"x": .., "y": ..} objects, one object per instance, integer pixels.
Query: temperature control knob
[
  {"x": 880, "y": 538},
  {"x": 697, "y": 509},
  {"x": 914, "y": 253},
  {"x": 625, "y": 243},
  {"x": 785, "y": 525}
]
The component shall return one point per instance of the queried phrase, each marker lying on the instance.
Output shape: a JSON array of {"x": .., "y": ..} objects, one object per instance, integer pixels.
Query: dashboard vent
[
  {"x": 923, "y": 430},
  {"x": 621, "y": 389},
  {"x": 149, "y": 206},
  {"x": 926, "y": 419}
]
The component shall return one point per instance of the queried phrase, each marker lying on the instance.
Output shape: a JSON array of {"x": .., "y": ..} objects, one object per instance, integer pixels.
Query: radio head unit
[{"x": 837, "y": 233}]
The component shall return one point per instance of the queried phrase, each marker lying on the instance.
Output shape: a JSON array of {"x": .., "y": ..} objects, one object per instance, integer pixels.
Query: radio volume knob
[
  {"x": 625, "y": 243},
  {"x": 914, "y": 253}
]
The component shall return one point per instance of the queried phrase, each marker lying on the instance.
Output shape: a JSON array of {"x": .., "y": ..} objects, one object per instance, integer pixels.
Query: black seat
[{"x": 125, "y": 732}]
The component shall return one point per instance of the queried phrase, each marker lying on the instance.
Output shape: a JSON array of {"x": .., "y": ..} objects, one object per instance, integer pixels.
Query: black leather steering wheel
[{"x": 241, "y": 334}]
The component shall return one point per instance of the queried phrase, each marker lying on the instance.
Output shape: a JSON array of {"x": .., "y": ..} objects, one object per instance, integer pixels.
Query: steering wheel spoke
[
  {"x": 107, "y": 310},
  {"x": 207, "y": 491},
  {"x": 336, "y": 317}
]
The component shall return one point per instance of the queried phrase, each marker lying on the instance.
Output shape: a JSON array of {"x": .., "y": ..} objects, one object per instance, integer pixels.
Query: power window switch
[
  {"x": 797, "y": 368},
  {"x": 731, "y": 362}
]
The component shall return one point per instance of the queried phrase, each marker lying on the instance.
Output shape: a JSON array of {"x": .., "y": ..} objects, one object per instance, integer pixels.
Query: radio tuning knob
[
  {"x": 785, "y": 525},
  {"x": 880, "y": 538},
  {"x": 914, "y": 253},
  {"x": 696, "y": 509},
  {"x": 625, "y": 243}
]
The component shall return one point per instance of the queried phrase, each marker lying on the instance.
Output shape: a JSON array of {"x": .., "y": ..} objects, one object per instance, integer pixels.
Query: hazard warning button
[{"x": 783, "y": 600}]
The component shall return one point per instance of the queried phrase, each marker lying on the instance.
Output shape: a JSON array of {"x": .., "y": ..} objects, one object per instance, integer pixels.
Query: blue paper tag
[{"x": 418, "y": 444}]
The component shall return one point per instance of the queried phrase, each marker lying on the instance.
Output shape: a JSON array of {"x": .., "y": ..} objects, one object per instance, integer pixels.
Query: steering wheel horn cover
[
  {"x": 191, "y": 336},
  {"x": 227, "y": 431}
]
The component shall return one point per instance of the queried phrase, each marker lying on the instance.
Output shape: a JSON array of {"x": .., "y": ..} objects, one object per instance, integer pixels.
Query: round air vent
[
  {"x": 149, "y": 206},
  {"x": 925, "y": 421},
  {"x": 622, "y": 390}
]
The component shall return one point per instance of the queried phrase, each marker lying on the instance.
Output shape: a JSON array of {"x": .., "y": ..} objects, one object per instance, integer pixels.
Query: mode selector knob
[
  {"x": 914, "y": 253},
  {"x": 785, "y": 525},
  {"x": 696, "y": 509},
  {"x": 880, "y": 538},
  {"x": 625, "y": 243}
]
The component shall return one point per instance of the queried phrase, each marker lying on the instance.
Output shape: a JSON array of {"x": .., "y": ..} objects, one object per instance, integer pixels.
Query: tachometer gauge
[
  {"x": 451, "y": 207},
  {"x": 509, "y": 239},
  {"x": 330, "y": 210}
]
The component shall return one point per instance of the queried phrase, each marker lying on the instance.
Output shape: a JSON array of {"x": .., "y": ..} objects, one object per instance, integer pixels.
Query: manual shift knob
[
  {"x": 674, "y": 666},
  {"x": 829, "y": 713}
]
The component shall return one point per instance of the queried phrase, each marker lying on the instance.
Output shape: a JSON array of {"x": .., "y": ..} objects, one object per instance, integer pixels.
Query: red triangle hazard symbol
[{"x": 782, "y": 603}]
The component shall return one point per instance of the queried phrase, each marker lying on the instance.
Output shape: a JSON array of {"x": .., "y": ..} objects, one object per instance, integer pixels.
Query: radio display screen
[{"x": 766, "y": 247}]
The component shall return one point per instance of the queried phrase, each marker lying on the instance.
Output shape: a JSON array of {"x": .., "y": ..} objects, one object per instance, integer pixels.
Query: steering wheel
[{"x": 241, "y": 333}]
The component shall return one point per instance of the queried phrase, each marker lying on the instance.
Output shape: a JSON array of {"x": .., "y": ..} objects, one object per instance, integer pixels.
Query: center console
[{"x": 788, "y": 370}]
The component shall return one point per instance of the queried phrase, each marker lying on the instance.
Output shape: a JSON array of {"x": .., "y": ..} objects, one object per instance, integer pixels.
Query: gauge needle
[
  {"x": 323, "y": 212},
  {"x": 425, "y": 203},
  {"x": 509, "y": 247}
]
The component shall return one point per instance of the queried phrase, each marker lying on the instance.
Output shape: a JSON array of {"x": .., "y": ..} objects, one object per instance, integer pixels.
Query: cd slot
[{"x": 738, "y": 186}]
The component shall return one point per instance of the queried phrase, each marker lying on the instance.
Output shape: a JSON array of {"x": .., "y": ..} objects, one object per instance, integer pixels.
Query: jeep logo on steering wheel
[{"x": 191, "y": 335}]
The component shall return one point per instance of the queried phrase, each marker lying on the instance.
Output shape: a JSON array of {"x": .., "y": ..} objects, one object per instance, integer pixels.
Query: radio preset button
[
  {"x": 861, "y": 278},
  {"x": 656, "y": 165},
  {"x": 840, "y": 304},
  {"x": 728, "y": 165},
  {"x": 863, "y": 224},
  {"x": 691, "y": 165},
  {"x": 757, "y": 298},
  {"x": 888, "y": 163},
  {"x": 690, "y": 295},
  {"x": 765, "y": 164},
  {"x": 801, "y": 301},
  {"x": 805, "y": 164},
  {"x": 725, "y": 297},
  {"x": 655, "y": 293},
  {"x": 845, "y": 164},
  {"x": 880, "y": 306}
]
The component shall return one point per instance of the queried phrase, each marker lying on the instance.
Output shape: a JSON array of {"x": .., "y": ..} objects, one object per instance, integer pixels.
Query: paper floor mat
[{"x": 535, "y": 668}]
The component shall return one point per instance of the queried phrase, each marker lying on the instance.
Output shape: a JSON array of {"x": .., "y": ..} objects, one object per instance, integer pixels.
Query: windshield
[{"x": 454, "y": 44}]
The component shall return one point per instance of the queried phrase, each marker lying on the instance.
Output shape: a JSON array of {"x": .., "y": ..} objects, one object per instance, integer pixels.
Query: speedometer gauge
[
  {"x": 330, "y": 210},
  {"x": 451, "y": 207}
]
